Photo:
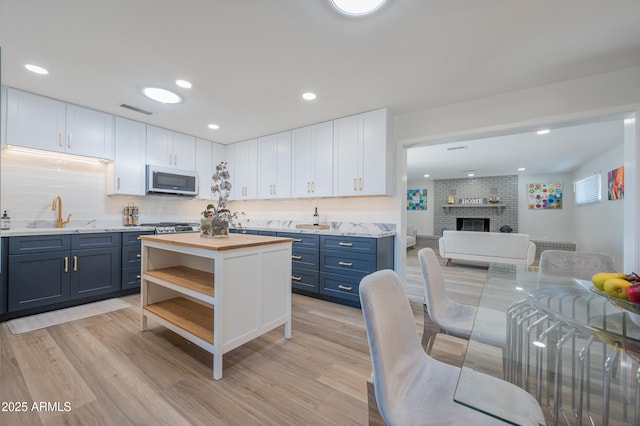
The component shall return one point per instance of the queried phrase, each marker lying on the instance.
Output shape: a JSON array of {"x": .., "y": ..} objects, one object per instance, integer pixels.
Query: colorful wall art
[
  {"x": 416, "y": 199},
  {"x": 616, "y": 184},
  {"x": 544, "y": 196}
]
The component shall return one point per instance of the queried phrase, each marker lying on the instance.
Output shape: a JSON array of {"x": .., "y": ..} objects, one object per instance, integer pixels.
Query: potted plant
[{"x": 216, "y": 218}]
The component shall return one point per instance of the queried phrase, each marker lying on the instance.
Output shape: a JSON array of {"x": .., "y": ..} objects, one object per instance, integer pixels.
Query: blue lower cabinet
[
  {"x": 353, "y": 264},
  {"x": 130, "y": 278},
  {"x": 37, "y": 279},
  {"x": 340, "y": 286},
  {"x": 131, "y": 259},
  {"x": 58, "y": 270},
  {"x": 94, "y": 271},
  {"x": 303, "y": 279}
]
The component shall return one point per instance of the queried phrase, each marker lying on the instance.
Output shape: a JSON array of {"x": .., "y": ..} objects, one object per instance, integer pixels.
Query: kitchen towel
[{"x": 48, "y": 319}]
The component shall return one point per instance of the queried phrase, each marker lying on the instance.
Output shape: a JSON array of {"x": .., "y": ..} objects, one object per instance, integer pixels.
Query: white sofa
[
  {"x": 487, "y": 247},
  {"x": 411, "y": 236}
]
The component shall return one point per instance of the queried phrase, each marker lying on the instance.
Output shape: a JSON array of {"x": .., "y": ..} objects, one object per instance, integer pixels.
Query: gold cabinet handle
[
  {"x": 355, "y": 184},
  {"x": 297, "y": 240},
  {"x": 60, "y": 137},
  {"x": 345, "y": 244},
  {"x": 293, "y": 277},
  {"x": 345, "y": 263},
  {"x": 342, "y": 287},
  {"x": 138, "y": 255},
  {"x": 296, "y": 257},
  {"x": 69, "y": 140},
  {"x": 66, "y": 264},
  {"x": 75, "y": 263},
  {"x": 360, "y": 188},
  {"x": 118, "y": 183},
  {"x": 138, "y": 277}
]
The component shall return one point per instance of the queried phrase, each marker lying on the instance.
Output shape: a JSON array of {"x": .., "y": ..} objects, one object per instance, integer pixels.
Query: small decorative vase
[{"x": 214, "y": 227}]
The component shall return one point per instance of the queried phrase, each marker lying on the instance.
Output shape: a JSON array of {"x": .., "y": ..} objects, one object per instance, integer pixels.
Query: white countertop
[
  {"x": 20, "y": 232},
  {"x": 371, "y": 230}
]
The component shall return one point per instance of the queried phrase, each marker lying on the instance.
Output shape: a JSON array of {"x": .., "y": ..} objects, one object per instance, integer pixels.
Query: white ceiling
[
  {"x": 562, "y": 150},
  {"x": 250, "y": 60}
]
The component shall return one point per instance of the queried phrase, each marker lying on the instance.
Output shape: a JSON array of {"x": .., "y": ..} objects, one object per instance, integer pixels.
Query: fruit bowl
[{"x": 624, "y": 304}]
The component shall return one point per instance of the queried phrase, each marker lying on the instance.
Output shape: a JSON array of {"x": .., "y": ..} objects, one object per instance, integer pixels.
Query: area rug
[{"x": 48, "y": 319}]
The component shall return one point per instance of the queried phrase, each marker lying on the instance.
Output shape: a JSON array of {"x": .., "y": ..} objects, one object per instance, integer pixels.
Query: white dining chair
[
  {"x": 575, "y": 264},
  {"x": 411, "y": 388},
  {"x": 451, "y": 317}
]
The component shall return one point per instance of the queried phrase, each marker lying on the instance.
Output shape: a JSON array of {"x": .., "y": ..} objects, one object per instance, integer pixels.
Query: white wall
[
  {"x": 422, "y": 219},
  {"x": 601, "y": 225},
  {"x": 548, "y": 224}
]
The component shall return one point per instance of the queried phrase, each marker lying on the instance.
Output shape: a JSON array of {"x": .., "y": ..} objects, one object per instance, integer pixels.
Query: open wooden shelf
[
  {"x": 193, "y": 279},
  {"x": 186, "y": 314}
]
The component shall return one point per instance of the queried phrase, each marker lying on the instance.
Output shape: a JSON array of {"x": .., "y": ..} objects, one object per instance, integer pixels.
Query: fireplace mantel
[{"x": 499, "y": 206}]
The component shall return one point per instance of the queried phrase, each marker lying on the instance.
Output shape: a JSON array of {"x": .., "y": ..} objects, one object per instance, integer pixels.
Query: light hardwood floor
[{"x": 108, "y": 372}]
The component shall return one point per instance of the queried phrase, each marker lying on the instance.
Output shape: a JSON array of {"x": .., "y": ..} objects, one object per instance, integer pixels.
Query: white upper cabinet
[
  {"x": 312, "y": 160},
  {"x": 208, "y": 156},
  {"x": 126, "y": 174},
  {"x": 170, "y": 149},
  {"x": 274, "y": 166},
  {"x": 242, "y": 158},
  {"x": 42, "y": 123},
  {"x": 363, "y": 157},
  {"x": 89, "y": 132}
]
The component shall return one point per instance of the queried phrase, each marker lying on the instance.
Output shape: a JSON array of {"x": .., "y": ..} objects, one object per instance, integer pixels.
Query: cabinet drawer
[
  {"x": 301, "y": 240},
  {"x": 354, "y": 264},
  {"x": 304, "y": 258},
  {"x": 130, "y": 278},
  {"x": 131, "y": 256},
  {"x": 340, "y": 286},
  {"x": 349, "y": 244},
  {"x": 131, "y": 238},
  {"x": 97, "y": 240},
  {"x": 304, "y": 279},
  {"x": 39, "y": 244}
]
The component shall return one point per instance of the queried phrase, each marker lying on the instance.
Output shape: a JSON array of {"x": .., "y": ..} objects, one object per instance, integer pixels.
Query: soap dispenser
[{"x": 5, "y": 221}]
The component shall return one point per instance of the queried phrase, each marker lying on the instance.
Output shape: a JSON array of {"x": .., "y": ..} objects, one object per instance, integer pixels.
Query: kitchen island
[{"x": 218, "y": 293}]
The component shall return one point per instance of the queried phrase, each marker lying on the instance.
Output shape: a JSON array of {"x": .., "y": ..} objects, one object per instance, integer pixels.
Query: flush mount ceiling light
[
  {"x": 213, "y": 126},
  {"x": 184, "y": 84},
  {"x": 543, "y": 132},
  {"x": 36, "y": 69},
  {"x": 161, "y": 95},
  {"x": 308, "y": 96},
  {"x": 357, "y": 7}
]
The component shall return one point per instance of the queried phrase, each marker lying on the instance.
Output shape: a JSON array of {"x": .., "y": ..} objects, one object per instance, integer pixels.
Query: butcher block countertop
[{"x": 233, "y": 241}]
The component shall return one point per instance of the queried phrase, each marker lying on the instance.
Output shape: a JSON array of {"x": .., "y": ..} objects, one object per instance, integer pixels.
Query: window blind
[{"x": 588, "y": 190}]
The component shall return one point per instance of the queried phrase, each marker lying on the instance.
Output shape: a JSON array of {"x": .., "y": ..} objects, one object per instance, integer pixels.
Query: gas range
[{"x": 172, "y": 227}]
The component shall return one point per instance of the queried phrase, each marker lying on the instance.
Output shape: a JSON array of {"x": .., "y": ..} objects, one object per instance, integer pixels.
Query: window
[{"x": 588, "y": 190}]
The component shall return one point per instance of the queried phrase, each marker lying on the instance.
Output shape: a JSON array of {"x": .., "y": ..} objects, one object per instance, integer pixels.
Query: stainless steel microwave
[{"x": 164, "y": 180}]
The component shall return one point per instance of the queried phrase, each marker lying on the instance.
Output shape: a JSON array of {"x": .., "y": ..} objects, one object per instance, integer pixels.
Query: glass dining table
[{"x": 575, "y": 350}]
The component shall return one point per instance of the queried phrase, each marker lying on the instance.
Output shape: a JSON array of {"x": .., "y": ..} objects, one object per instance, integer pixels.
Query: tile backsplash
[{"x": 29, "y": 182}]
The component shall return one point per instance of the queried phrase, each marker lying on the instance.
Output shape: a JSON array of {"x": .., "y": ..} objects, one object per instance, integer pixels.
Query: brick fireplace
[{"x": 446, "y": 216}]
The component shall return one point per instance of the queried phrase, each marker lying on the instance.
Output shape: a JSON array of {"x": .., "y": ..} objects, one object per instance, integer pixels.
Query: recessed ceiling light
[
  {"x": 521, "y": 169},
  {"x": 427, "y": 176},
  {"x": 470, "y": 174},
  {"x": 357, "y": 7},
  {"x": 184, "y": 84},
  {"x": 543, "y": 131},
  {"x": 308, "y": 96},
  {"x": 36, "y": 69},
  {"x": 161, "y": 95},
  {"x": 213, "y": 126}
]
